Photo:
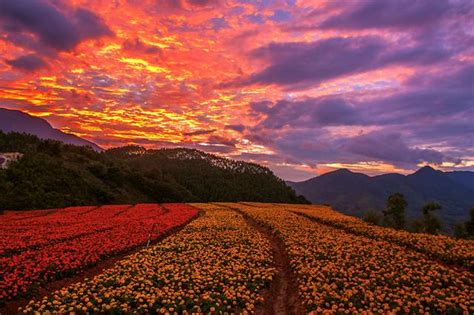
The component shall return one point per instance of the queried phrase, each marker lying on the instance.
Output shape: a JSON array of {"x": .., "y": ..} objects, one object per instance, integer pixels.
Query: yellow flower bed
[
  {"x": 216, "y": 263},
  {"x": 447, "y": 249},
  {"x": 342, "y": 272}
]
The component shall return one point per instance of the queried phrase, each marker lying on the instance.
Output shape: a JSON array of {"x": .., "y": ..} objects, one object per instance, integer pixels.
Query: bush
[
  {"x": 372, "y": 217},
  {"x": 394, "y": 214}
]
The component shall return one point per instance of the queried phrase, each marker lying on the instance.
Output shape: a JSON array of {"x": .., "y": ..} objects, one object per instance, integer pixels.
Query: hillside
[
  {"x": 52, "y": 174},
  {"x": 355, "y": 193},
  {"x": 17, "y": 121}
]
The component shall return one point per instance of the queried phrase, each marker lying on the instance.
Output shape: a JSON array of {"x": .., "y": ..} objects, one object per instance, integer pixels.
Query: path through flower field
[{"x": 226, "y": 257}]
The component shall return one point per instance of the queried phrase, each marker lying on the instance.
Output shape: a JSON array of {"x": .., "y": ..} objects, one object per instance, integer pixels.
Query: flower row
[
  {"x": 449, "y": 250},
  {"x": 342, "y": 272},
  {"x": 128, "y": 227},
  {"x": 217, "y": 263},
  {"x": 33, "y": 229}
]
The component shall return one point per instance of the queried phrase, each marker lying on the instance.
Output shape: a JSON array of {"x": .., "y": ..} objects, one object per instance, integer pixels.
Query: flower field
[
  {"x": 342, "y": 272},
  {"x": 227, "y": 261},
  {"x": 449, "y": 250},
  {"x": 42, "y": 248},
  {"x": 216, "y": 263}
]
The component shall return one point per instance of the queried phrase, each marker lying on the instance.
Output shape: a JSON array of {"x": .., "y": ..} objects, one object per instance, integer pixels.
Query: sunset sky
[{"x": 301, "y": 86}]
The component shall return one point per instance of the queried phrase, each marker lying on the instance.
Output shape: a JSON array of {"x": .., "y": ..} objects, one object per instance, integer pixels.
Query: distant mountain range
[
  {"x": 356, "y": 193},
  {"x": 17, "y": 121}
]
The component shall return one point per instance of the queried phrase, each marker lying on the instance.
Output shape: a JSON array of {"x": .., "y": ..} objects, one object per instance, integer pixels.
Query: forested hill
[
  {"x": 356, "y": 193},
  {"x": 52, "y": 174}
]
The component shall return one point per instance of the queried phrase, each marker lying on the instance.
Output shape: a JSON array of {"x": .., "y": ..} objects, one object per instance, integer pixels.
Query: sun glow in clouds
[{"x": 314, "y": 82}]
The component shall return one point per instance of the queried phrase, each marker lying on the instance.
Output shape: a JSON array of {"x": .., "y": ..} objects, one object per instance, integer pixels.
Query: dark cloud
[
  {"x": 102, "y": 80},
  {"x": 388, "y": 14},
  {"x": 313, "y": 63},
  {"x": 423, "y": 53},
  {"x": 199, "y": 132},
  {"x": 436, "y": 109},
  {"x": 239, "y": 128},
  {"x": 297, "y": 62},
  {"x": 458, "y": 135},
  {"x": 390, "y": 147},
  {"x": 458, "y": 76},
  {"x": 312, "y": 146},
  {"x": 219, "y": 140},
  {"x": 61, "y": 30},
  {"x": 310, "y": 113},
  {"x": 89, "y": 25},
  {"x": 27, "y": 63},
  {"x": 180, "y": 5},
  {"x": 211, "y": 148},
  {"x": 281, "y": 16},
  {"x": 447, "y": 94},
  {"x": 255, "y": 18},
  {"x": 218, "y": 24},
  {"x": 138, "y": 45},
  {"x": 308, "y": 145},
  {"x": 202, "y": 3},
  {"x": 42, "y": 19},
  {"x": 259, "y": 157},
  {"x": 27, "y": 41},
  {"x": 169, "y": 5}
]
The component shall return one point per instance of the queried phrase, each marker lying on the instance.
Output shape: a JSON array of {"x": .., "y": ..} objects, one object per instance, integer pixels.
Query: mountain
[
  {"x": 356, "y": 193},
  {"x": 17, "y": 121},
  {"x": 52, "y": 174},
  {"x": 463, "y": 177}
]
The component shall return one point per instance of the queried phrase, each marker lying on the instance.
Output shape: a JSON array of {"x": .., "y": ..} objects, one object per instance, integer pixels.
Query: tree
[
  {"x": 469, "y": 225},
  {"x": 460, "y": 230},
  {"x": 372, "y": 217},
  {"x": 416, "y": 226},
  {"x": 394, "y": 215},
  {"x": 431, "y": 223},
  {"x": 54, "y": 175}
]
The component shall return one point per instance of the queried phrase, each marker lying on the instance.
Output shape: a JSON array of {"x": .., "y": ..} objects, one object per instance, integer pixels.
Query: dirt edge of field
[
  {"x": 12, "y": 306},
  {"x": 282, "y": 296}
]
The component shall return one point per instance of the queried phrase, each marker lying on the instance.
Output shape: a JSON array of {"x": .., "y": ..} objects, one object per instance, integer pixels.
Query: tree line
[
  {"x": 52, "y": 174},
  {"x": 394, "y": 217}
]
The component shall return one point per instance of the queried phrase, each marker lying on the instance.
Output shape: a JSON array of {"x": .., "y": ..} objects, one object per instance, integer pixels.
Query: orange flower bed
[
  {"x": 60, "y": 243},
  {"x": 450, "y": 250},
  {"x": 217, "y": 263},
  {"x": 342, "y": 272}
]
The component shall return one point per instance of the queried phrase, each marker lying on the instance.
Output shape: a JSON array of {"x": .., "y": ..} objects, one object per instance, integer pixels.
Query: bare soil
[{"x": 282, "y": 297}]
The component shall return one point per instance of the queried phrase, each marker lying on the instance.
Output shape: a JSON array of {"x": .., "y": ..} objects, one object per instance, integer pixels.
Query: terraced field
[{"x": 226, "y": 258}]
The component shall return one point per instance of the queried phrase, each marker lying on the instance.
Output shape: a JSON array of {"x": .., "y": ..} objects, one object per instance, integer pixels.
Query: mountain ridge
[
  {"x": 356, "y": 193},
  {"x": 18, "y": 121}
]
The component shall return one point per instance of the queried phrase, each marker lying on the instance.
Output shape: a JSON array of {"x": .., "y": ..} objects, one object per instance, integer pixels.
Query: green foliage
[
  {"x": 394, "y": 214},
  {"x": 430, "y": 207},
  {"x": 466, "y": 229},
  {"x": 372, "y": 217},
  {"x": 460, "y": 230},
  {"x": 431, "y": 224},
  {"x": 416, "y": 226},
  {"x": 52, "y": 174},
  {"x": 469, "y": 225}
]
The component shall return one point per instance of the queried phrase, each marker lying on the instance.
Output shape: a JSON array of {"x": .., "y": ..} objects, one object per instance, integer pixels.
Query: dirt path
[
  {"x": 12, "y": 307},
  {"x": 282, "y": 296}
]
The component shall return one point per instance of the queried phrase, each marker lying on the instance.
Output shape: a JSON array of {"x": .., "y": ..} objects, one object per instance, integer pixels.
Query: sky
[{"x": 301, "y": 86}]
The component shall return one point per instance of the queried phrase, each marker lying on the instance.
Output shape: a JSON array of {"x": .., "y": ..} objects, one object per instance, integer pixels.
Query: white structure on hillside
[{"x": 7, "y": 158}]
